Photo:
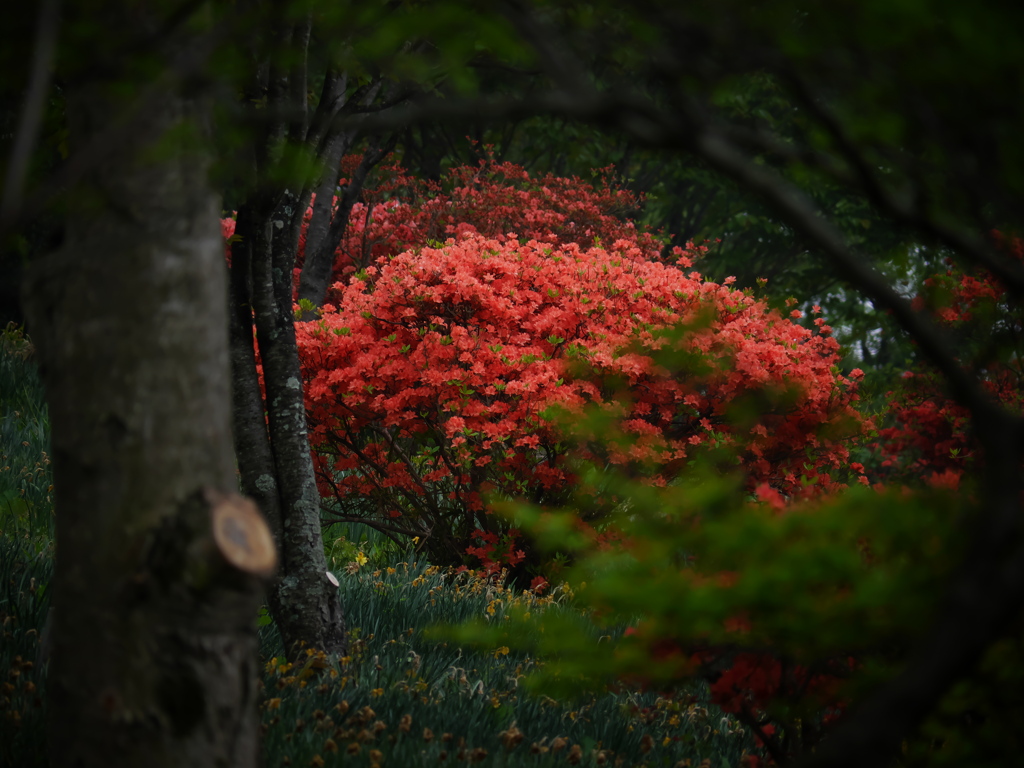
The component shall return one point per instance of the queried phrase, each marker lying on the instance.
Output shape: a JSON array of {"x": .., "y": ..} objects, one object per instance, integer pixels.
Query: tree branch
[{"x": 906, "y": 209}]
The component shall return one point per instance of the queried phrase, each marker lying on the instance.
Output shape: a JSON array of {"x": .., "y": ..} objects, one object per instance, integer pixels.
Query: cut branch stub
[{"x": 241, "y": 534}]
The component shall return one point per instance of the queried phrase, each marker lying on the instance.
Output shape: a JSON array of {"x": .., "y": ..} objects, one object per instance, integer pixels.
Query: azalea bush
[
  {"x": 431, "y": 386},
  {"x": 926, "y": 435},
  {"x": 398, "y": 212}
]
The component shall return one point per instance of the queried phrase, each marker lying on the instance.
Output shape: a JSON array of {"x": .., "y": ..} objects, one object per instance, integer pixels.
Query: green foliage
[
  {"x": 702, "y": 572},
  {"x": 306, "y": 310},
  {"x": 347, "y": 543},
  {"x": 976, "y": 722}
]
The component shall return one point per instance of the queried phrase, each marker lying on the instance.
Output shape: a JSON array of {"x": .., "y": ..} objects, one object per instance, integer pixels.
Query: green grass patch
[
  {"x": 24, "y": 600},
  {"x": 26, "y": 477},
  {"x": 402, "y": 698}
]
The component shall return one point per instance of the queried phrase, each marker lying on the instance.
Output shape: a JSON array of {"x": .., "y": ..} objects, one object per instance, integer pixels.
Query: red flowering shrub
[
  {"x": 928, "y": 436},
  {"x": 428, "y": 384},
  {"x": 399, "y": 212}
]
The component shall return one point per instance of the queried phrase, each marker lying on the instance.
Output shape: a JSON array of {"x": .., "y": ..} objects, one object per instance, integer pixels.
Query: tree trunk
[
  {"x": 273, "y": 458},
  {"x": 158, "y": 567},
  {"x": 326, "y": 233},
  {"x": 270, "y": 434},
  {"x": 304, "y": 599},
  {"x": 316, "y": 269}
]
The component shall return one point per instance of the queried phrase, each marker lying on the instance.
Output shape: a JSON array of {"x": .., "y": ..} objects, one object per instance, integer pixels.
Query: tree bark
[
  {"x": 317, "y": 266},
  {"x": 326, "y": 233},
  {"x": 270, "y": 430},
  {"x": 271, "y": 441},
  {"x": 252, "y": 441},
  {"x": 159, "y": 567},
  {"x": 306, "y": 606}
]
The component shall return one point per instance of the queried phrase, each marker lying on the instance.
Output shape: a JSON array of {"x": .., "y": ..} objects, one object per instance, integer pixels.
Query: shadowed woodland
[{"x": 513, "y": 383}]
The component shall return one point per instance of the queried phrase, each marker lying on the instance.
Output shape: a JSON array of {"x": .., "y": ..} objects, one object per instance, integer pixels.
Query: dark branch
[{"x": 906, "y": 208}]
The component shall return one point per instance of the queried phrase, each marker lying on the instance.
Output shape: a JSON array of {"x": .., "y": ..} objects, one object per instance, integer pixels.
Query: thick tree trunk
[{"x": 158, "y": 566}]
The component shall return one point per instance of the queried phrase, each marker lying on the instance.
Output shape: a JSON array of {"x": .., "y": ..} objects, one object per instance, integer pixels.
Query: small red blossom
[{"x": 770, "y": 496}]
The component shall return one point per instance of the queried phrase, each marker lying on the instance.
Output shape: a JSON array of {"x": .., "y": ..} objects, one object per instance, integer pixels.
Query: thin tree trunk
[
  {"x": 252, "y": 441},
  {"x": 317, "y": 266},
  {"x": 304, "y": 601},
  {"x": 321, "y": 242},
  {"x": 270, "y": 432},
  {"x": 158, "y": 567}
]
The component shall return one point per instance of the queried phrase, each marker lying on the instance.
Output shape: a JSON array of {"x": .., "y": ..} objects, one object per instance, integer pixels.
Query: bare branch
[
  {"x": 798, "y": 209},
  {"x": 375, "y": 524},
  {"x": 321, "y": 241}
]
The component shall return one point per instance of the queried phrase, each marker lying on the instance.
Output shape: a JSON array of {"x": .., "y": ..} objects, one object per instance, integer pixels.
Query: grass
[
  {"x": 26, "y": 552},
  {"x": 399, "y": 698},
  {"x": 26, "y": 481},
  {"x": 23, "y": 605}
]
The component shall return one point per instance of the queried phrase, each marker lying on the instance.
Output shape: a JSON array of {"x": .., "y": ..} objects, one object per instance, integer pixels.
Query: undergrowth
[
  {"x": 402, "y": 697},
  {"x": 26, "y": 551}
]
